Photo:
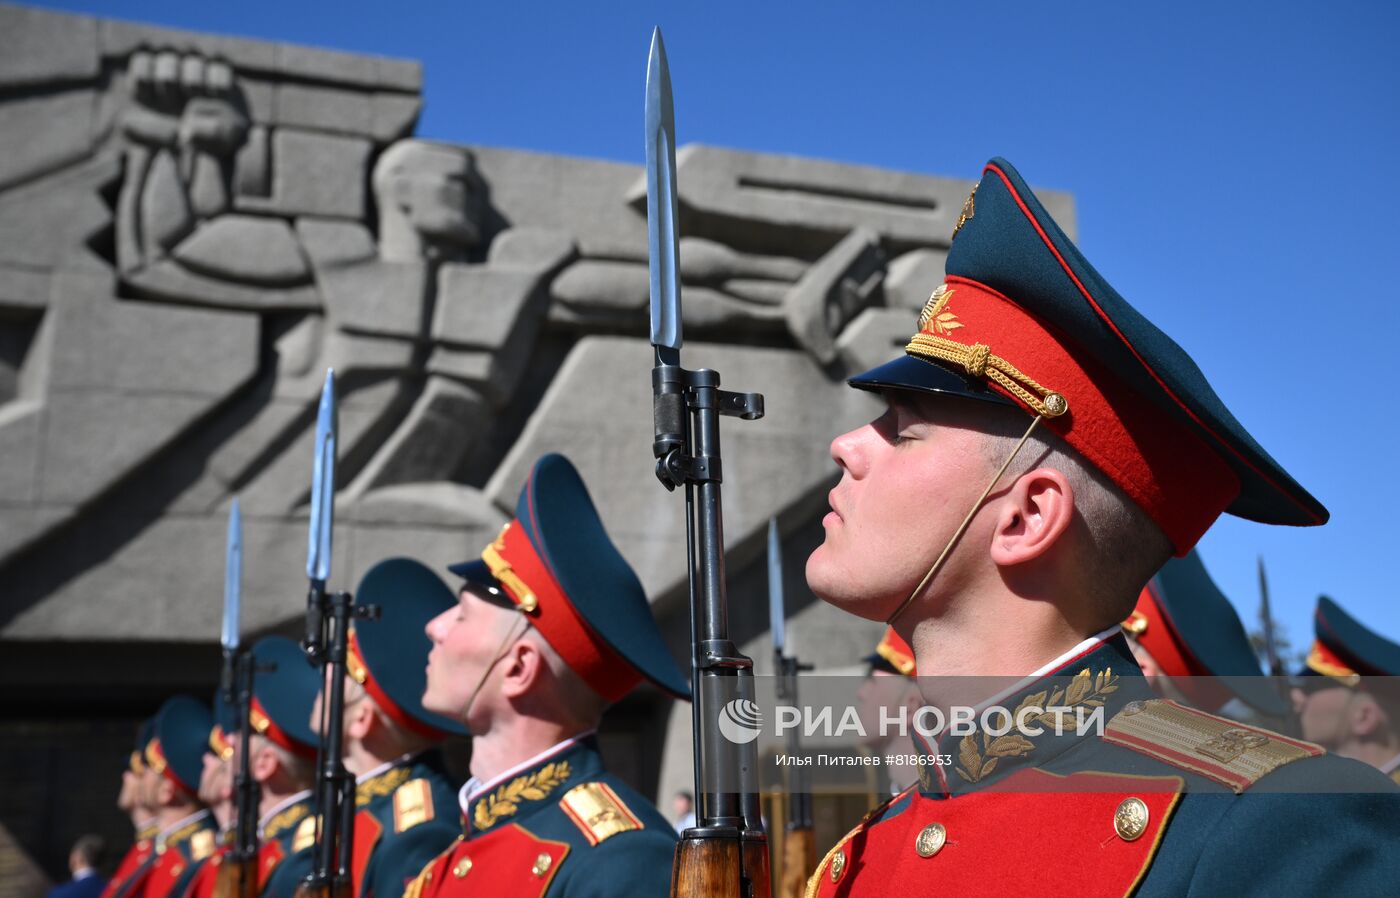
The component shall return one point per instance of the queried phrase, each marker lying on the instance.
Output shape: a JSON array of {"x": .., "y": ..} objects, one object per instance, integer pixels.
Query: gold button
[
  {"x": 1130, "y": 820},
  {"x": 838, "y": 865},
  {"x": 462, "y": 868},
  {"x": 930, "y": 840},
  {"x": 542, "y": 864}
]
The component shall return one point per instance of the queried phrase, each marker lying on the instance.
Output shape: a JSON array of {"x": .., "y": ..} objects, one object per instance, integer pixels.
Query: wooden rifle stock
[
  {"x": 237, "y": 878},
  {"x": 312, "y": 889},
  {"x": 721, "y": 868},
  {"x": 799, "y": 860}
]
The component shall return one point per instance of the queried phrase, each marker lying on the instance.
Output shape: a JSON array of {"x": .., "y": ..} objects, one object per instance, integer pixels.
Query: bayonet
[
  {"x": 663, "y": 225},
  {"x": 775, "y": 589},
  {"x": 237, "y": 878},
  {"x": 328, "y": 620},
  {"x": 1266, "y": 622},
  {"x": 727, "y": 849},
  {"x": 318, "y": 552},
  {"x": 233, "y": 579}
]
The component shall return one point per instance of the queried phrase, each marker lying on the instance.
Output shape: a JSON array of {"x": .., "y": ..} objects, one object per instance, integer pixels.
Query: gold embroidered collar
[
  {"x": 381, "y": 785},
  {"x": 506, "y": 800},
  {"x": 286, "y": 819}
]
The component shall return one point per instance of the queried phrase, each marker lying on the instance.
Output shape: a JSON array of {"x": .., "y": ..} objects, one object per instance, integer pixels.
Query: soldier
[
  {"x": 171, "y": 782},
  {"x": 1002, "y": 544},
  {"x": 547, "y": 632},
  {"x": 216, "y": 791},
  {"x": 1346, "y": 695},
  {"x": 1190, "y": 643},
  {"x": 130, "y": 800},
  {"x": 281, "y": 759},
  {"x": 406, "y": 802},
  {"x": 889, "y": 685}
]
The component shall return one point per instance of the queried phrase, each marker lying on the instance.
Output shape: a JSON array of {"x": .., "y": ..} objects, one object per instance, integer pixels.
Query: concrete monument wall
[{"x": 194, "y": 227}]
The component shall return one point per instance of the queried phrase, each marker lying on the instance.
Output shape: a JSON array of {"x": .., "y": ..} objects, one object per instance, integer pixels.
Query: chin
[{"x": 842, "y": 590}]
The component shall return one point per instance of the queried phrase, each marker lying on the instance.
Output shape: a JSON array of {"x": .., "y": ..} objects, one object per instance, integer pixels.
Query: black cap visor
[{"x": 910, "y": 373}]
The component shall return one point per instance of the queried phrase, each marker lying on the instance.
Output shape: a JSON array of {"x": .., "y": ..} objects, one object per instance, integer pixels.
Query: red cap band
[
  {"x": 1153, "y": 630},
  {"x": 359, "y": 670},
  {"x": 155, "y": 759},
  {"x": 897, "y": 652},
  {"x": 1159, "y": 462},
  {"x": 526, "y": 578},
  {"x": 265, "y": 726},
  {"x": 1327, "y": 662}
]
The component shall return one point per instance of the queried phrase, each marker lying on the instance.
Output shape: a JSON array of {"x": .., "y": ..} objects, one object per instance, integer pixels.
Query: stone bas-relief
[{"x": 193, "y": 228}]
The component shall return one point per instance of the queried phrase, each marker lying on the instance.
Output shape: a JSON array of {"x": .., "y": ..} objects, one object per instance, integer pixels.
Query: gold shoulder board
[
  {"x": 598, "y": 812},
  {"x": 202, "y": 844},
  {"x": 1218, "y": 748},
  {"x": 305, "y": 836},
  {"x": 413, "y": 804}
]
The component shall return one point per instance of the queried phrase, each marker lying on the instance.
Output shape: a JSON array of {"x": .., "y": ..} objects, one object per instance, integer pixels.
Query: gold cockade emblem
[
  {"x": 944, "y": 322},
  {"x": 968, "y": 210},
  {"x": 531, "y": 787}
]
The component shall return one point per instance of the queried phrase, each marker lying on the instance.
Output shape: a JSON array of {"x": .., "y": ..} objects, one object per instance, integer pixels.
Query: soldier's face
[
  {"x": 1323, "y": 714},
  {"x": 214, "y": 779},
  {"x": 147, "y": 786},
  {"x": 128, "y": 797},
  {"x": 907, "y": 480},
  {"x": 467, "y": 641}
]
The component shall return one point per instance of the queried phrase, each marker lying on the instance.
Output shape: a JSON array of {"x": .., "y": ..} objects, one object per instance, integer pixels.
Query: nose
[
  {"x": 1300, "y": 698},
  {"x": 433, "y": 628},
  {"x": 848, "y": 452}
]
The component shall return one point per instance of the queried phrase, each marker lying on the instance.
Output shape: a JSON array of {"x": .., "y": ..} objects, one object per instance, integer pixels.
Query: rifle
[
  {"x": 238, "y": 874},
  {"x": 725, "y": 855},
  {"x": 328, "y": 619},
  {"x": 799, "y": 857},
  {"x": 1271, "y": 656}
]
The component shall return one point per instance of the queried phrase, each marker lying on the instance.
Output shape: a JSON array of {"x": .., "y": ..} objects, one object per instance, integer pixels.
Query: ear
[
  {"x": 360, "y": 718},
  {"x": 1366, "y": 716},
  {"x": 521, "y": 668},
  {"x": 1031, "y": 516}
]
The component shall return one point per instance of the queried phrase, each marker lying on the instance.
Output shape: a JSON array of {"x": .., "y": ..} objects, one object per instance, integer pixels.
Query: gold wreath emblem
[
  {"x": 1085, "y": 690},
  {"x": 531, "y": 787},
  {"x": 944, "y": 322}
]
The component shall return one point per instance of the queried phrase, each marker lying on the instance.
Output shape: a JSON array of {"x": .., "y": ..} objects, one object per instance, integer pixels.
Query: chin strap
[
  {"x": 511, "y": 637},
  {"x": 962, "y": 528}
]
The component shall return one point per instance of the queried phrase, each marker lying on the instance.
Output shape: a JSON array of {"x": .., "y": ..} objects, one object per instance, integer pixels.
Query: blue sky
[{"x": 1232, "y": 165}]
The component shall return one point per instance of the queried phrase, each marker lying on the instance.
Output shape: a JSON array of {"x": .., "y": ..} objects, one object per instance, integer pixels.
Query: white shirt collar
[
  {"x": 83, "y": 873},
  {"x": 1391, "y": 765},
  {"x": 1082, "y": 648},
  {"x": 279, "y": 807},
  {"x": 474, "y": 787}
]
